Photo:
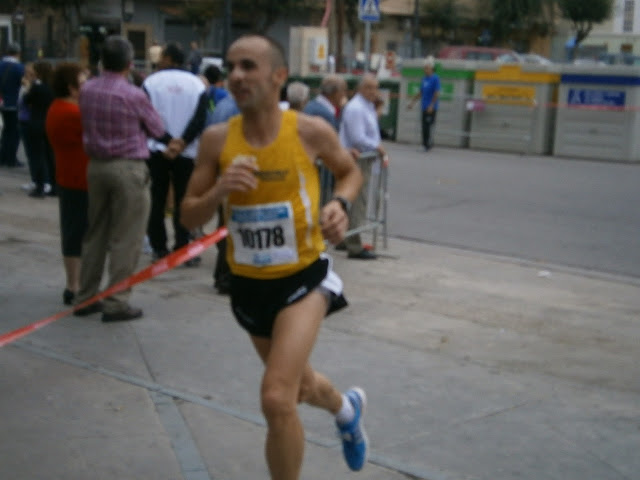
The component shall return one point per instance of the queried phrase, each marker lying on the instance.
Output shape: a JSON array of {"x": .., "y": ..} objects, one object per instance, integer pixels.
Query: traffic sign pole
[
  {"x": 369, "y": 11},
  {"x": 367, "y": 46}
]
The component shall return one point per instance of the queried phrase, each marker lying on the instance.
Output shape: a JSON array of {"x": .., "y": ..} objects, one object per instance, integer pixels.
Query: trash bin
[
  {"x": 452, "y": 122},
  {"x": 599, "y": 113},
  {"x": 389, "y": 91},
  {"x": 513, "y": 108}
]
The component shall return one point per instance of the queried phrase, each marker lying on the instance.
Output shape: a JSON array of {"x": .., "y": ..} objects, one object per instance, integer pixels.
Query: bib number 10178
[
  {"x": 262, "y": 237},
  {"x": 263, "y": 234}
]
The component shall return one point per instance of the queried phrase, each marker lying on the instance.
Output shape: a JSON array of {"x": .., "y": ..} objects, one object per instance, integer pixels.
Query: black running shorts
[{"x": 256, "y": 303}]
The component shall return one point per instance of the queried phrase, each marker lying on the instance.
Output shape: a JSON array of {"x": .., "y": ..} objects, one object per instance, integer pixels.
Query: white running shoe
[{"x": 27, "y": 187}]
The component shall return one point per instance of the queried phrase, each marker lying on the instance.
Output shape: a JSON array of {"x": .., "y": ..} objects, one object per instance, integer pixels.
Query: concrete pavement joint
[
  {"x": 528, "y": 262},
  {"x": 410, "y": 471},
  {"x": 176, "y": 427},
  {"x": 189, "y": 458},
  {"x": 495, "y": 412},
  {"x": 191, "y": 463},
  {"x": 562, "y": 435}
]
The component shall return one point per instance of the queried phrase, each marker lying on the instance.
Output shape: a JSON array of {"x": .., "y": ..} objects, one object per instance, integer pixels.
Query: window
[{"x": 627, "y": 19}]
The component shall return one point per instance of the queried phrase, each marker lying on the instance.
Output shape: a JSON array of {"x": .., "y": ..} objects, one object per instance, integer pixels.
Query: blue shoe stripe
[{"x": 355, "y": 444}]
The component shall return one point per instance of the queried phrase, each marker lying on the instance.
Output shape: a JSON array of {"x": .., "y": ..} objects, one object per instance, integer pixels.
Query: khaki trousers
[
  {"x": 119, "y": 202},
  {"x": 358, "y": 215}
]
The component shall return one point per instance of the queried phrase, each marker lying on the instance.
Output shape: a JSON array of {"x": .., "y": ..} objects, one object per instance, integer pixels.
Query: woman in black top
[{"x": 38, "y": 99}]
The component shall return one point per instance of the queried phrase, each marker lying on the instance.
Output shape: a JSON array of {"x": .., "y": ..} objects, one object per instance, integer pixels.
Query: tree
[
  {"x": 583, "y": 15},
  {"x": 353, "y": 22},
  {"x": 262, "y": 14},
  {"x": 200, "y": 14},
  {"x": 346, "y": 12},
  {"x": 515, "y": 21},
  {"x": 9, "y": 6},
  {"x": 443, "y": 17},
  {"x": 258, "y": 15}
]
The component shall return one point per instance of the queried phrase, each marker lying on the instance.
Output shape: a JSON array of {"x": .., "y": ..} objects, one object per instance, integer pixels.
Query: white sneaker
[
  {"x": 47, "y": 188},
  {"x": 146, "y": 246},
  {"x": 27, "y": 187}
]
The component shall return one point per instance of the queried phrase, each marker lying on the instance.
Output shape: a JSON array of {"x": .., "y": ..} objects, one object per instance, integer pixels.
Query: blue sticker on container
[{"x": 585, "y": 96}]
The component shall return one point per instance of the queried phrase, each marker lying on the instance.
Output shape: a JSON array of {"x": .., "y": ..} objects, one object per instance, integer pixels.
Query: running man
[{"x": 261, "y": 165}]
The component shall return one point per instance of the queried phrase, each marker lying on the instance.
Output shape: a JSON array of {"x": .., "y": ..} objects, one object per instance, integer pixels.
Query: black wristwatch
[{"x": 344, "y": 203}]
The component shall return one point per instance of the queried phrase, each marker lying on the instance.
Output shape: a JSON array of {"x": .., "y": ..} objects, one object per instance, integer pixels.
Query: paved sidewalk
[{"x": 476, "y": 367}]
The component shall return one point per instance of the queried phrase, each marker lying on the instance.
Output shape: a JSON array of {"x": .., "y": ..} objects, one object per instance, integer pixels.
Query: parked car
[
  {"x": 523, "y": 58},
  {"x": 588, "y": 61},
  {"x": 534, "y": 58},
  {"x": 471, "y": 52}
]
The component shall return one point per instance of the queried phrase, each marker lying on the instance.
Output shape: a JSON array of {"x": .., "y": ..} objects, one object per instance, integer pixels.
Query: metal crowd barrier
[{"x": 375, "y": 193}]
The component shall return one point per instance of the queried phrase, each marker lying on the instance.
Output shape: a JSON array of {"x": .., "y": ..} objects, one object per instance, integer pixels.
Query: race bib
[{"x": 263, "y": 234}]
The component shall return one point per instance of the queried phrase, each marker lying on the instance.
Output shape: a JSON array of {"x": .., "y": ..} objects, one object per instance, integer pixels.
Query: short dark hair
[
  {"x": 175, "y": 53},
  {"x": 65, "y": 75},
  {"x": 117, "y": 53},
  {"x": 43, "y": 69},
  {"x": 278, "y": 55},
  {"x": 213, "y": 74}
]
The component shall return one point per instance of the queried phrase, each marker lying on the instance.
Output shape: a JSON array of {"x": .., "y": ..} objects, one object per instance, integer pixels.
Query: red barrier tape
[{"x": 172, "y": 260}]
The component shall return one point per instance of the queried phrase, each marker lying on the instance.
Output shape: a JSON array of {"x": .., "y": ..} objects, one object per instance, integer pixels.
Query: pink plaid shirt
[{"x": 117, "y": 118}]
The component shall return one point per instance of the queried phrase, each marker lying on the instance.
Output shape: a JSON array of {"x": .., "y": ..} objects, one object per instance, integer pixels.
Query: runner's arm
[
  {"x": 206, "y": 189},
  {"x": 322, "y": 141}
]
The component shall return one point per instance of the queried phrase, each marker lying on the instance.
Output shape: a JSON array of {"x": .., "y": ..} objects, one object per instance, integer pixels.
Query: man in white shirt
[
  {"x": 359, "y": 131},
  {"x": 181, "y": 100}
]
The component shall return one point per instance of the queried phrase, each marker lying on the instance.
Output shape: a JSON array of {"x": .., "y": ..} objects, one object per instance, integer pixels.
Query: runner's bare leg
[{"x": 288, "y": 379}]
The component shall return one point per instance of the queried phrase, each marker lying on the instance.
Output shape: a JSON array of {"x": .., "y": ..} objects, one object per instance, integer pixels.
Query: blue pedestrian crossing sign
[{"x": 369, "y": 10}]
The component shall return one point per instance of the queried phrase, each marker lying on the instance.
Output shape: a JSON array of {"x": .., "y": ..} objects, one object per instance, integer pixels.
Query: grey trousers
[
  {"x": 358, "y": 215},
  {"x": 119, "y": 203}
]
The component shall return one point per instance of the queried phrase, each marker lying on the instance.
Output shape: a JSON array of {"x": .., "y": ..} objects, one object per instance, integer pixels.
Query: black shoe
[
  {"x": 223, "y": 288},
  {"x": 363, "y": 254},
  {"x": 130, "y": 313},
  {"x": 88, "y": 310},
  {"x": 159, "y": 254},
  {"x": 68, "y": 296},
  {"x": 194, "y": 262}
]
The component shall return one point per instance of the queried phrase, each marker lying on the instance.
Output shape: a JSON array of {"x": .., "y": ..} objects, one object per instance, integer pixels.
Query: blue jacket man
[
  {"x": 11, "y": 73},
  {"x": 333, "y": 93},
  {"x": 429, "y": 94},
  {"x": 332, "y": 96}
]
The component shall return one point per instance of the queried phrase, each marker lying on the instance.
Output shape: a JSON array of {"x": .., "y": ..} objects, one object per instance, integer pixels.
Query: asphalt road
[{"x": 576, "y": 213}]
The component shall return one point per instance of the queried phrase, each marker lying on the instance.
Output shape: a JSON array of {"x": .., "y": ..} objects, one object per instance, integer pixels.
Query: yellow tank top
[{"x": 274, "y": 230}]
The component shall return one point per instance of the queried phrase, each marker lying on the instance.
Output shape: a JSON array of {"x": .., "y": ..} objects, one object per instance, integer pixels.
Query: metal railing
[{"x": 375, "y": 193}]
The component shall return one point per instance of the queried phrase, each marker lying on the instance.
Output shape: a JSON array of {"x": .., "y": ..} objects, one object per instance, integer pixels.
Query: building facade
[{"x": 619, "y": 34}]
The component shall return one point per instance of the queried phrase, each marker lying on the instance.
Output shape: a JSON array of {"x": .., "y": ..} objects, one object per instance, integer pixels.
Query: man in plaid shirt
[{"x": 117, "y": 119}]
